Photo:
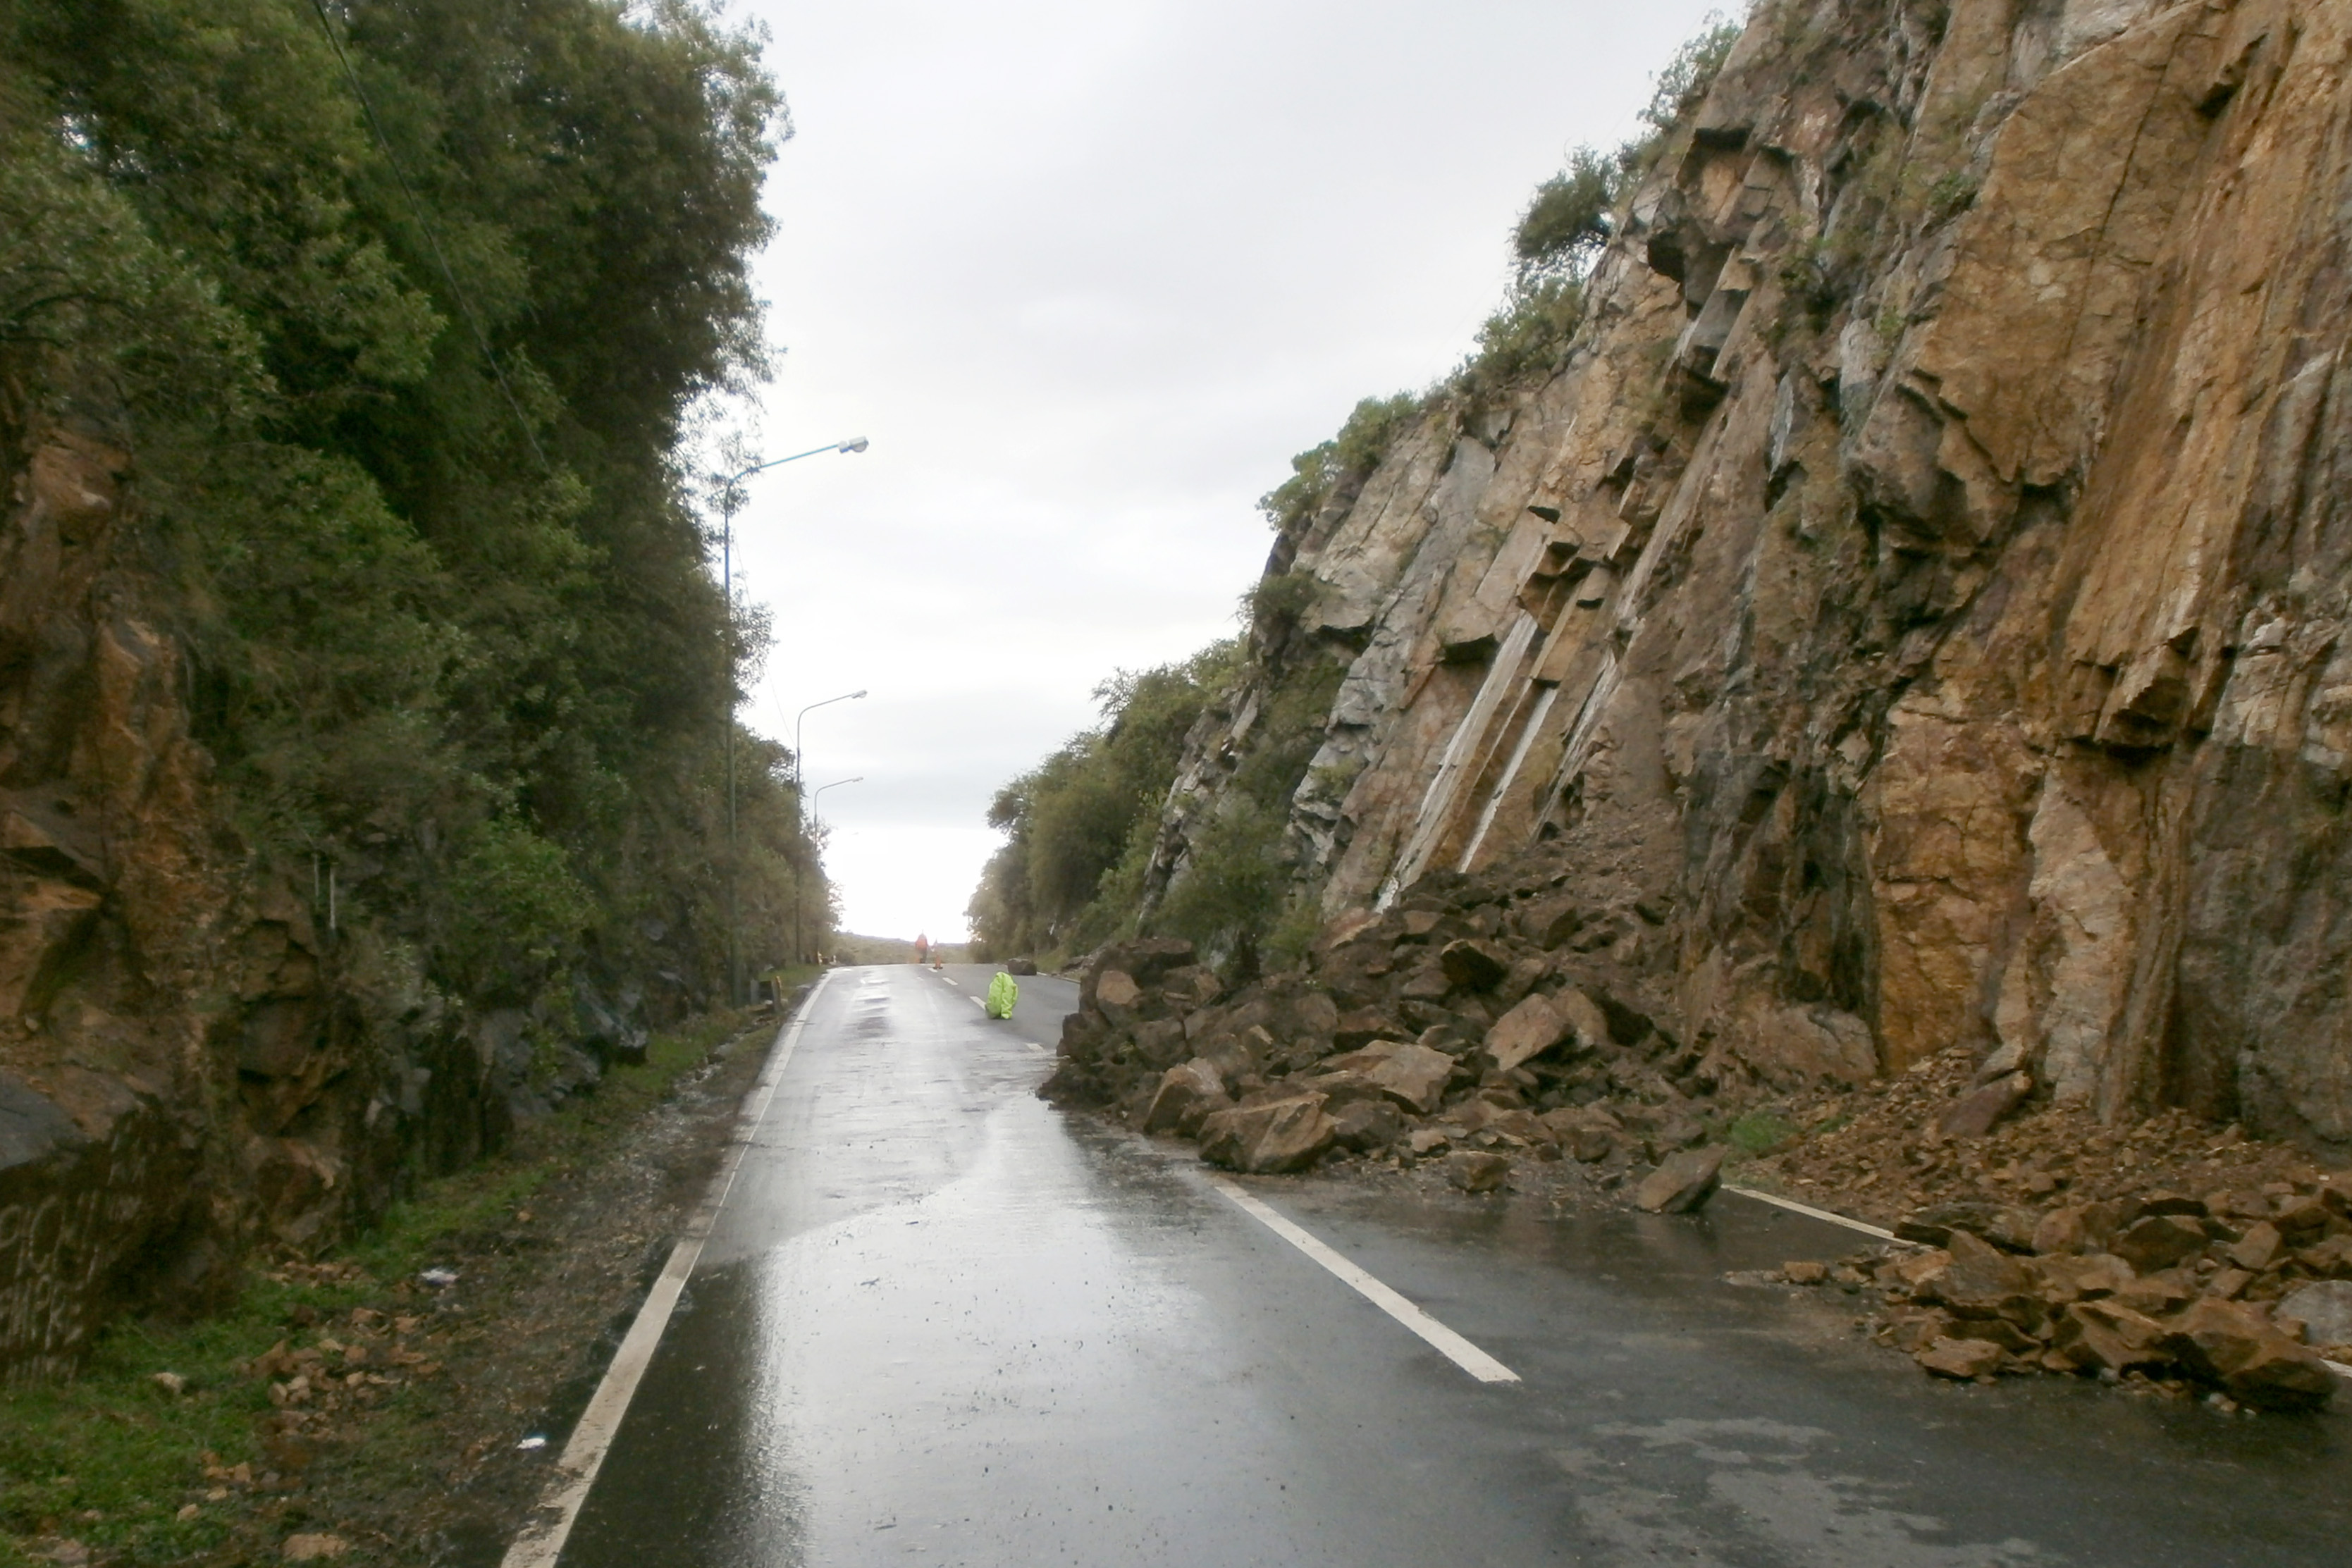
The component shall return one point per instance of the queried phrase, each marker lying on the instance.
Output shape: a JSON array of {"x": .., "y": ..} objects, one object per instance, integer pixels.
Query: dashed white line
[
  {"x": 1444, "y": 1340},
  {"x": 542, "y": 1541}
]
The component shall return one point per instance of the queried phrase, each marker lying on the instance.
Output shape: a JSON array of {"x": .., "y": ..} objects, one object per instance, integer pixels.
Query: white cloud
[{"x": 1087, "y": 274}]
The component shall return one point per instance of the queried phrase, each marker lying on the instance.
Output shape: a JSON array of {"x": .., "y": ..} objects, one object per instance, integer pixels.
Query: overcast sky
[{"x": 1087, "y": 273}]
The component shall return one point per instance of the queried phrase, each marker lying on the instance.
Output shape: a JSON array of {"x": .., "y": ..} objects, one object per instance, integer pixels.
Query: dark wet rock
[
  {"x": 2066, "y": 1279},
  {"x": 1427, "y": 983},
  {"x": 1159, "y": 1042},
  {"x": 1187, "y": 1096},
  {"x": 1965, "y": 1359},
  {"x": 1473, "y": 1170},
  {"x": 2159, "y": 1242},
  {"x": 2007, "y": 1228},
  {"x": 1684, "y": 1184},
  {"x": 1411, "y": 1075},
  {"x": 1190, "y": 987},
  {"x": 1285, "y": 1132},
  {"x": 1549, "y": 923},
  {"x": 1976, "y": 1280},
  {"x": 1144, "y": 963},
  {"x": 1978, "y": 1112},
  {"x": 1474, "y": 965},
  {"x": 2106, "y": 1336},
  {"x": 2229, "y": 1344},
  {"x": 1360, "y": 1026},
  {"x": 1530, "y": 1028},
  {"x": 1366, "y": 1125}
]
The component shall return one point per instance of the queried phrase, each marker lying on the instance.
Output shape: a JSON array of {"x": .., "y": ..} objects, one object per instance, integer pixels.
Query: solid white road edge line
[
  {"x": 542, "y": 1541},
  {"x": 1810, "y": 1211},
  {"x": 1448, "y": 1343}
]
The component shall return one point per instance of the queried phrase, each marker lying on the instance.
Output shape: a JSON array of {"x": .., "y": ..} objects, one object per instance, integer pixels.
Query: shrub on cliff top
[{"x": 1342, "y": 463}]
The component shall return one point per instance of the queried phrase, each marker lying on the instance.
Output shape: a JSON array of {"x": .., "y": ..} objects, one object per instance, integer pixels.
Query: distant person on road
[
  {"x": 922, "y": 949},
  {"x": 1002, "y": 996}
]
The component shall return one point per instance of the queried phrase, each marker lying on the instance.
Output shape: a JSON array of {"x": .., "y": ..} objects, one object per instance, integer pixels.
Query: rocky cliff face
[
  {"x": 1917, "y": 615},
  {"x": 193, "y": 1061}
]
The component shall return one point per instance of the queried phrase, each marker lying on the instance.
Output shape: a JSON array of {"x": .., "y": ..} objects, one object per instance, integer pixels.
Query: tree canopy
[{"x": 403, "y": 309}]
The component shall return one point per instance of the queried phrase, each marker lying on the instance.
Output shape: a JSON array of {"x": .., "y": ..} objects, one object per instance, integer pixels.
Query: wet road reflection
[{"x": 939, "y": 1322}]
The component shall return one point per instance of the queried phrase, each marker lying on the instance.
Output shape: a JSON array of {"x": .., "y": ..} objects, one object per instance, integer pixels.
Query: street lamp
[
  {"x": 731, "y": 499},
  {"x": 799, "y": 774},
  {"x": 834, "y": 785},
  {"x": 800, "y": 783},
  {"x": 800, "y": 892}
]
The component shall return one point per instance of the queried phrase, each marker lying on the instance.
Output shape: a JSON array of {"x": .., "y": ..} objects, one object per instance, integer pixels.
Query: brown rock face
[
  {"x": 1911, "y": 616},
  {"x": 188, "y": 1063}
]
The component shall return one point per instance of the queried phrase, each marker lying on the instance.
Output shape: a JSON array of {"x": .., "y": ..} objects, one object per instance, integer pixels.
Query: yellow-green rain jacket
[{"x": 1001, "y": 994}]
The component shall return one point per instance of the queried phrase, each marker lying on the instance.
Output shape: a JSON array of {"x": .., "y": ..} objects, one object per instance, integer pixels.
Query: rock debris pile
[
  {"x": 1466, "y": 1027},
  {"x": 2246, "y": 1294},
  {"x": 1463, "y": 1025}
]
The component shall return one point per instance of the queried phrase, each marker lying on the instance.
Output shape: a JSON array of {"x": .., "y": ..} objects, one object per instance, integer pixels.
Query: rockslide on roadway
[{"x": 938, "y": 1321}]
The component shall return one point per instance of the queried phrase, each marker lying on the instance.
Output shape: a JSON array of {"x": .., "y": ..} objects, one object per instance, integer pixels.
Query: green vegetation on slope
[
  {"x": 402, "y": 308},
  {"x": 1080, "y": 825},
  {"x": 1076, "y": 870},
  {"x": 117, "y": 1463}
]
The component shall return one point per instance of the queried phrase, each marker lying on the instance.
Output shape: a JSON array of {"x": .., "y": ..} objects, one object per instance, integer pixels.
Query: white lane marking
[
  {"x": 1448, "y": 1343},
  {"x": 542, "y": 1541},
  {"x": 1807, "y": 1209}
]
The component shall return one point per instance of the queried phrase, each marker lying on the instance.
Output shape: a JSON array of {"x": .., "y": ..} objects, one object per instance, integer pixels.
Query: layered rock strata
[{"x": 1914, "y": 617}]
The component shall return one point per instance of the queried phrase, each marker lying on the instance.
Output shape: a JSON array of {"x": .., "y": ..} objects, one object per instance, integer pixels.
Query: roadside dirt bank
[{"x": 401, "y": 1401}]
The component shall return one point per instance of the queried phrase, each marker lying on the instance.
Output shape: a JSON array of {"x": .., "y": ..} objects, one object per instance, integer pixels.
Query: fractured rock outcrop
[{"x": 1913, "y": 616}]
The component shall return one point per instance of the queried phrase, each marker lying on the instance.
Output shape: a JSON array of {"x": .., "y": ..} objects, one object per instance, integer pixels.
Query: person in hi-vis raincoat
[{"x": 1001, "y": 994}]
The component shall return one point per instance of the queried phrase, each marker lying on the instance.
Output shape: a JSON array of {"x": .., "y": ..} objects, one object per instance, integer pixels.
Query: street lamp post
[
  {"x": 730, "y": 500},
  {"x": 800, "y": 895},
  {"x": 800, "y": 786}
]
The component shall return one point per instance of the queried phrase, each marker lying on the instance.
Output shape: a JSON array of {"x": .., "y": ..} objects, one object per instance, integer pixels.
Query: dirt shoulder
[{"x": 401, "y": 1400}]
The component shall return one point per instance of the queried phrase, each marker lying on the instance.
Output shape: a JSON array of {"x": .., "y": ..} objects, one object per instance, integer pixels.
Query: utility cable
[{"x": 416, "y": 209}]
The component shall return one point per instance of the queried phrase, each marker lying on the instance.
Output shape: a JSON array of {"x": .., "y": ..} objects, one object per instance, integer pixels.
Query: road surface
[{"x": 939, "y": 1322}]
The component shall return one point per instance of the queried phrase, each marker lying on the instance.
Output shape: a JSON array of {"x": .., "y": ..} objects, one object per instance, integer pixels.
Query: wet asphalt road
[{"x": 939, "y": 1323}]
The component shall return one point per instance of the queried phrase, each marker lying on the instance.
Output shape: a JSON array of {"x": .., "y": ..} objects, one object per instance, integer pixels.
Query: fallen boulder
[
  {"x": 1411, "y": 1074},
  {"x": 1978, "y": 1112},
  {"x": 1525, "y": 1033},
  {"x": 1285, "y": 1134},
  {"x": 2159, "y": 1242},
  {"x": 2255, "y": 1363},
  {"x": 1473, "y": 1170},
  {"x": 1964, "y": 1359},
  {"x": 1187, "y": 1096},
  {"x": 1472, "y": 965},
  {"x": 1365, "y": 1125},
  {"x": 1684, "y": 1184}
]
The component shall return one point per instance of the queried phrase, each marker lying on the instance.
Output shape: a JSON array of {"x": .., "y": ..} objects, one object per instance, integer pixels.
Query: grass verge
[{"x": 184, "y": 1442}]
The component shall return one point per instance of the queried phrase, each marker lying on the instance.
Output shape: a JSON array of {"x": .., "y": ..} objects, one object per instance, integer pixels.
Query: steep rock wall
[
  {"x": 191, "y": 1062},
  {"x": 1917, "y": 610}
]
